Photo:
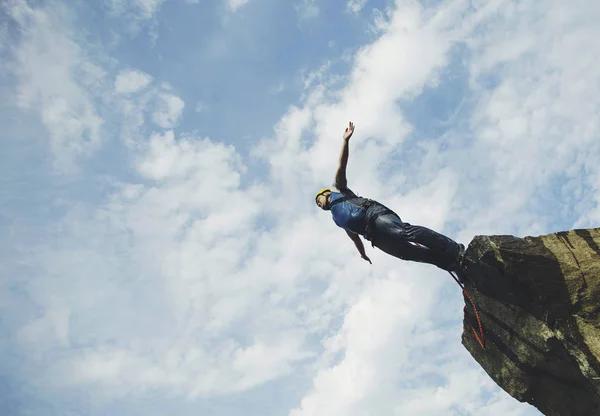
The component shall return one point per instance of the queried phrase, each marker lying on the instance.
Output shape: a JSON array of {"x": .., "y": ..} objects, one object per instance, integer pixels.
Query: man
[{"x": 382, "y": 226}]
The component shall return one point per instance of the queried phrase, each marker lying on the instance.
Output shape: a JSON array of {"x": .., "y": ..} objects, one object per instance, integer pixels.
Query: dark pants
[{"x": 394, "y": 237}]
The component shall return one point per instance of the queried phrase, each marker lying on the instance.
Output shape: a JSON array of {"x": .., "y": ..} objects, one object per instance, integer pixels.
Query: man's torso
[{"x": 352, "y": 215}]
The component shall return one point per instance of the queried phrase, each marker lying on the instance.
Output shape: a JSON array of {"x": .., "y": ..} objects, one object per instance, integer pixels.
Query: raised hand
[{"x": 349, "y": 131}]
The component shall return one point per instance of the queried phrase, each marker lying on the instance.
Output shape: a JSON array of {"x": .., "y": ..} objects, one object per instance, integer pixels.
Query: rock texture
[{"x": 539, "y": 303}]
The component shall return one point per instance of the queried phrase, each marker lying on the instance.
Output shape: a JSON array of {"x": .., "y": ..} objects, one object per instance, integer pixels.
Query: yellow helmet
[{"x": 321, "y": 192}]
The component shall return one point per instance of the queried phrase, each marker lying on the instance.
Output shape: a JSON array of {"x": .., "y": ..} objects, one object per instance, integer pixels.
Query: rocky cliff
[{"x": 539, "y": 303}]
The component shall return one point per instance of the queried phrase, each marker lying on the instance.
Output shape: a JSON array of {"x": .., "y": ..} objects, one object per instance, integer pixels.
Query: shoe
[{"x": 458, "y": 263}]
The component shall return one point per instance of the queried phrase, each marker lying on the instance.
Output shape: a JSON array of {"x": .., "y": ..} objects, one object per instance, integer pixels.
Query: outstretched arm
[
  {"x": 359, "y": 245},
  {"x": 340, "y": 177}
]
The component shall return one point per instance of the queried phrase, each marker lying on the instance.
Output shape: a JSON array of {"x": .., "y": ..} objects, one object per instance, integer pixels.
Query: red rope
[{"x": 480, "y": 340}]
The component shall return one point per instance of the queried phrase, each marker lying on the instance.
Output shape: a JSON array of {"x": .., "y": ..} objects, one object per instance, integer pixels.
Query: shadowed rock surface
[{"x": 539, "y": 303}]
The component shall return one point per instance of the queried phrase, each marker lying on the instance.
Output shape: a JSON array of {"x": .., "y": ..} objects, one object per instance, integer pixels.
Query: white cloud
[
  {"x": 380, "y": 76},
  {"x": 277, "y": 88},
  {"x": 131, "y": 80},
  {"x": 307, "y": 9},
  {"x": 192, "y": 228},
  {"x": 57, "y": 81},
  {"x": 406, "y": 58},
  {"x": 201, "y": 106},
  {"x": 141, "y": 9},
  {"x": 234, "y": 5},
  {"x": 355, "y": 6},
  {"x": 541, "y": 103},
  {"x": 373, "y": 342},
  {"x": 168, "y": 110},
  {"x": 189, "y": 279},
  {"x": 135, "y": 16},
  {"x": 148, "y": 7}
]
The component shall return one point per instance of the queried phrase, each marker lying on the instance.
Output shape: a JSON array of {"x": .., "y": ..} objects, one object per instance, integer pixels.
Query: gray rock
[{"x": 539, "y": 303}]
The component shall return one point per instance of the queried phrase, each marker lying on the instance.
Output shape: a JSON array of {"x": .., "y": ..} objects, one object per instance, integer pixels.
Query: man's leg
[
  {"x": 393, "y": 236},
  {"x": 410, "y": 252}
]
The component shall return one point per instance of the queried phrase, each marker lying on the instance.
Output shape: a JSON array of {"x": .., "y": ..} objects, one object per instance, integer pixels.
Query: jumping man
[{"x": 360, "y": 216}]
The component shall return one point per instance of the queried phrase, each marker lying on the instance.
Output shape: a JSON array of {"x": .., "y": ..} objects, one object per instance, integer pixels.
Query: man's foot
[{"x": 458, "y": 263}]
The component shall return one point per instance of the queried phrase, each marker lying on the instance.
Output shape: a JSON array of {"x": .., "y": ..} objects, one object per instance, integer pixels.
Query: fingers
[
  {"x": 350, "y": 128},
  {"x": 349, "y": 131}
]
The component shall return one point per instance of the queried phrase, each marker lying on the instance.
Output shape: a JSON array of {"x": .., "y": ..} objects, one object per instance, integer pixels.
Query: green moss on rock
[{"x": 539, "y": 302}]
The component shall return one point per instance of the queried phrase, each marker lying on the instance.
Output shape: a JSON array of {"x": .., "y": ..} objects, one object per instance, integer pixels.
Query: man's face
[{"x": 323, "y": 201}]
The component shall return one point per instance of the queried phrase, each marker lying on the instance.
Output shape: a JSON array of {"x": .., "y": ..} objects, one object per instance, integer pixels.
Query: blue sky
[{"x": 161, "y": 250}]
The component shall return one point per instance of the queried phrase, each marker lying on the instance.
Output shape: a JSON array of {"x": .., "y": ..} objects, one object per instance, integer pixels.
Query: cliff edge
[{"x": 538, "y": 299}]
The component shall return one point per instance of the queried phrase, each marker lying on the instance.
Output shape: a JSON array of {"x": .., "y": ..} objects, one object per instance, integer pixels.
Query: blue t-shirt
[{"x": 345, "y": 214}]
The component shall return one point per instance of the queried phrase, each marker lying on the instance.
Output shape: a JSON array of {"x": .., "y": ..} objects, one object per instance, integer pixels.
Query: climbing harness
[
  {"x": 480, "y": 340},
  {"x": 365, "y": 203}
]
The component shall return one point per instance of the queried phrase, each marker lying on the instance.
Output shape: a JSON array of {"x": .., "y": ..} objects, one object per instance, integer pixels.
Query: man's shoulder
[{"x": 344, "y": 190}]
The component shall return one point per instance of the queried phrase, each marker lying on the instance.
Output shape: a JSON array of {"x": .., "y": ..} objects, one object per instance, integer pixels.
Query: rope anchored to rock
[{"x": 477, "y": 336}]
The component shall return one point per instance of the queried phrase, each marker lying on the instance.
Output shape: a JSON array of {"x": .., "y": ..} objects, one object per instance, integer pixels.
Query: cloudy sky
[{"x": 160, "y": 250}]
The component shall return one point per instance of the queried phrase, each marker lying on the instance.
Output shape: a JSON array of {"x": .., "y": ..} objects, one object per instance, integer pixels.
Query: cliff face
[{"x": 539, "y": 303}]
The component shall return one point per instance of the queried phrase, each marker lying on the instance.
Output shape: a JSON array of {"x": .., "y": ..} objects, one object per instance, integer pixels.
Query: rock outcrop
[{"x": 539, "y": 303}]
